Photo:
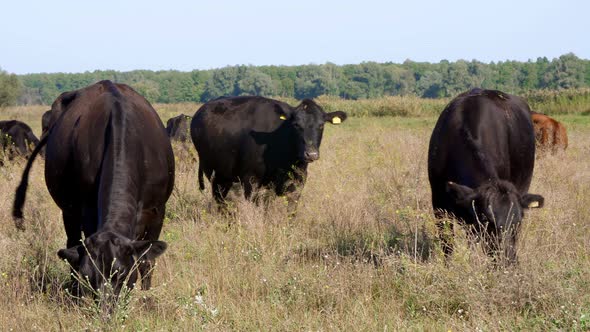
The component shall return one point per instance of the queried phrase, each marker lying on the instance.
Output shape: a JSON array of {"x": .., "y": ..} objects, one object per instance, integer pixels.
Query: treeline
[
  {"x": 360, "y": 81},
  {"x": 10, "y": 88}
]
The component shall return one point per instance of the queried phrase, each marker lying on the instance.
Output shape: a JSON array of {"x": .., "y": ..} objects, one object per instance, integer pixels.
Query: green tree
[
  {"x": 430, "y": 85},
  {"x": 148, "y": 89},
  {"x": 398, "y": 81},
  {"x": 457, "y": 78},
  {"x": 566, "y": 72},
  {"x": 255, "y": 82},
  {"x": 10, "y": 88},
  {"x": 507, "y": 76},
  {"x": 314, "y": 80},
  {"x": 223, "y": 82},
  {"x": 365, "y": 80},
  {"x": 529, "y": 78}
]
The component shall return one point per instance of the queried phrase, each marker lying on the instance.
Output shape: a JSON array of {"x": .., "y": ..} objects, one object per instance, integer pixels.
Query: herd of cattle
[{"x": 110, "y": 168}]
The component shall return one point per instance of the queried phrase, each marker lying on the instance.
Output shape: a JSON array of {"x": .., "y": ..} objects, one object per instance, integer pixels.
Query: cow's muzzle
[{"x": 311, "y": 156}]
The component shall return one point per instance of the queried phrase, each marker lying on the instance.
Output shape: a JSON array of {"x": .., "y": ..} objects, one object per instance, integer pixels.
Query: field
[{"x": 360, "y": 255}]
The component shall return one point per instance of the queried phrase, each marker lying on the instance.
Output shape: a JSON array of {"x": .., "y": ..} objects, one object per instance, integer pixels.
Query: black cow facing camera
[
  {"x": 258, "y": 142},
  {"x": 480, "y": 164}
]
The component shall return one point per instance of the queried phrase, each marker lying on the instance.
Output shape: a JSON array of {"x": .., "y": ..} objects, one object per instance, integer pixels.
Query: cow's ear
[
  {"x": 460, "y": 193},
  {"x": 71, "y": 255},
  {"x": 335, "y": 117},
  {"x": 280, "y": 113},
  {"x": 529, "y": 201},
  {"x": 148, "y": 249},
  {"x": 307, "y": 104}
]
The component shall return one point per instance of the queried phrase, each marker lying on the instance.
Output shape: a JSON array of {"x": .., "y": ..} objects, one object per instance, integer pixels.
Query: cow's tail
[
  {"x": 21, "y": 190},
  {"x": 201, "y": 181}
]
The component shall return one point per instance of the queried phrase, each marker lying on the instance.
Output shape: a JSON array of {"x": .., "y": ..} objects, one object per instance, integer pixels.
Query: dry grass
[{"x": 361, "y": 254}]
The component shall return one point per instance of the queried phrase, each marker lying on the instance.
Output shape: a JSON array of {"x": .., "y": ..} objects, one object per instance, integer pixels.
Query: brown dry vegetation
[{"x": 361, "y": 254}]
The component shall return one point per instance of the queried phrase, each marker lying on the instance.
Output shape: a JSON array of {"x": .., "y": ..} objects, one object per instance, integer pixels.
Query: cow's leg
[
  {"x": 252, "y": 192},
  {"x": 72, "y": 227},
  {"x": 293, "y": 193},
  {"x": 291, "y": 188},
  {"x": 22, "y": 146},
  {"x": 152, "y": 219},
  {"x": 221, "y": 188},
  {"x": 90, "y": 218},
  {"x": 545, "y": 137},
  {"x": 248, "y": 188},
  {"x": 74, "y": 236},
  {"x": 445, "y": 231}
]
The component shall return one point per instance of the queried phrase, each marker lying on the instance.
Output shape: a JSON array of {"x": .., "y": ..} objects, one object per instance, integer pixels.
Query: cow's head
[
  {"x": 107, "y": 257},
  {"x": 496, "y": 208},
  {"x": 307, "y": 121}
]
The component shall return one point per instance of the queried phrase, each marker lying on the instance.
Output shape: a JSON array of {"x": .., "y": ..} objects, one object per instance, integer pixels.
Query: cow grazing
[
  {"x": 16, "y": 138},
  {"x": 178, "y": 128},
  {"x": 110, "y": 169},
  {"x": 480, "y": 165},
  {"x": 550, "y": 134},
  {"x": 258, "y": 142}
]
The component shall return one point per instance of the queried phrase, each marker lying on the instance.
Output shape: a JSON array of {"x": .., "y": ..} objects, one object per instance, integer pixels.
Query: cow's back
[{"x": 82, "y": 136}]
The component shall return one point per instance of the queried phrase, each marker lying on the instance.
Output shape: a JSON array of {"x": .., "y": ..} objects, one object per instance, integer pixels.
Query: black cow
[
  {"x": 110, "y": 169},
  {"x": 258, "y": 142},
  {"x": 45, "y": 122},
  {"x": 16, "y": 138},
  {"x": 178, "y": 127},
  {"x": 480, "y": 165}
]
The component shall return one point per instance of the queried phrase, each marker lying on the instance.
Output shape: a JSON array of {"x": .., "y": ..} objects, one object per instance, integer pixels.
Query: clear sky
[{"x": 77, "y": 36}]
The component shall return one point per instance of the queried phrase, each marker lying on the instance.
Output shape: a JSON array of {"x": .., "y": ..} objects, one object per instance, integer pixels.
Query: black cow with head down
[
  {"x": 178, "y": 128},
  {"x": 17, "y": 138},
  {"x": 110, "y": 168},
  {"x": 480, "y": 165},
  {"x": 258, "y": 142}
]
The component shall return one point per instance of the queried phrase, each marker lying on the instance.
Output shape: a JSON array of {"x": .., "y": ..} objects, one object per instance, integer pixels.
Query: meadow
[{"x": 360, "y": 255}]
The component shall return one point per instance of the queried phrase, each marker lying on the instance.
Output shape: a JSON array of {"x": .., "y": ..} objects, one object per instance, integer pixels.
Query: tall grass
[
  {"x": 563, "y": 102},
  {"x": 361, "y": 253},
  {"x": 574, "y": 101}
]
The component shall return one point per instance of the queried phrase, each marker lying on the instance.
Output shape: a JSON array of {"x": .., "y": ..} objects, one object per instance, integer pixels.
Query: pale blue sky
[{"x": 76, "y": 36}]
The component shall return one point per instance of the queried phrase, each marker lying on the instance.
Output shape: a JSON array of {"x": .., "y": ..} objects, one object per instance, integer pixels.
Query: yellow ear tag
[
  {"x": 282, "y": 117},
  {"x": 533, "y": 204},
  {"x": 336, "y": 120}
]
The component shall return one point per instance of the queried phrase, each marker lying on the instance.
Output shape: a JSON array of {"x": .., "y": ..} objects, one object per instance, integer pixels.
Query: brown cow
[{"x": 549, "y": 133}]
